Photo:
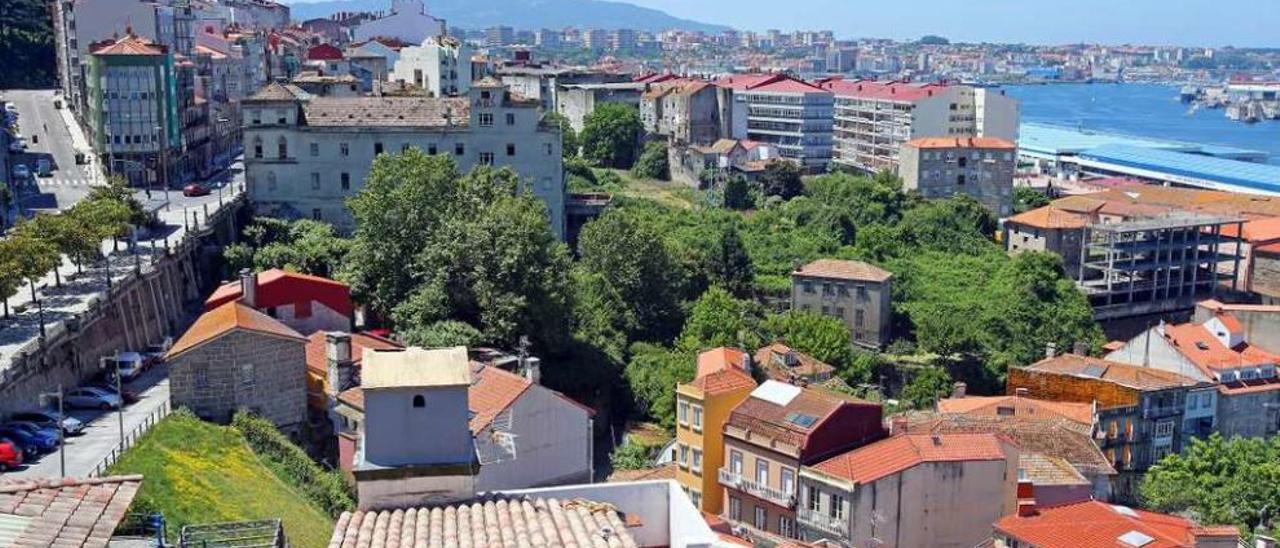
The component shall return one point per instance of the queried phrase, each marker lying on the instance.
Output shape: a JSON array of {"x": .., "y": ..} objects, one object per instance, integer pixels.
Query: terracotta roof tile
[
  {"x": 717, "y": 359},
  {"x": 496, "y": 522},
  {"x": 492, "y": 392},
  {"x": 1197, "y": 344},
  {"x": 1064, "y": 439},
  {"x": 961, "y": 142},
  {"x": 782, "y": 363},
  {"x": 1049, "y": 217},
  {"x": 278, "y": 287},
  {"x": 1131, "y": 376},
  {"x": 387, "y": 111},
  {"x": 763, "y": 417},
  {"x": 723, "y": 381},
  {"x": 276, "y": 91},
  {"x": 1045, "y": 470},
  {"x": 902, "y": 92},
  {"x": 1094, "y": 524},
  {"x": 316, "y": 349},
  {"x": 127, "y": 45},
  {"x": 844, "y": 270},
  {"x": 1016, "y": 406},
  {"x": 664, "y": 472},
  {"x": 898, "y": 453},
  {"x": 67, "y": 511},
  {"x": 223, "y": 320}
]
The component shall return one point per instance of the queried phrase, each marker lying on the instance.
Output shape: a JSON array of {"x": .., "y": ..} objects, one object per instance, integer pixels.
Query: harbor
[{"x": 1244, "y": 101}]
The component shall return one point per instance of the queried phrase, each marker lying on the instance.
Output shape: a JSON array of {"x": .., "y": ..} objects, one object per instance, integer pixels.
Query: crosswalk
[{"x": 59, "y": 181}]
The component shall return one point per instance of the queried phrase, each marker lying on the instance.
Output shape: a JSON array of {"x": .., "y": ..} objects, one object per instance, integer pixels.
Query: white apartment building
[
  {"x": 305, "y": 155},
  {"x": 874, "y": 119},
  {"x": 441, "y": 65},
  {"x": 408, "y": 21},
  {"x": 791, "y": 115}
]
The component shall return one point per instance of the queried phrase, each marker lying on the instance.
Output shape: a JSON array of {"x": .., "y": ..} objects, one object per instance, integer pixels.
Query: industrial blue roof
[
  {"x": 1056, "y": 140},
  {"x": 1249, "y": 175}
]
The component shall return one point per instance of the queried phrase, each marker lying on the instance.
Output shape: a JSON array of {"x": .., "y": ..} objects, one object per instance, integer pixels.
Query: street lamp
[{"x": 62, "y": 435}]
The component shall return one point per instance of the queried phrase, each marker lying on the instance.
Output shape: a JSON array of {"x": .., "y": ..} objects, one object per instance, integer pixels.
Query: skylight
[
  {"x": 1124, "y": 510},
  {"x": 1135, "y": 538},
  {"x": 777, "y": 393},
  {"x": 800, "y": 419}
]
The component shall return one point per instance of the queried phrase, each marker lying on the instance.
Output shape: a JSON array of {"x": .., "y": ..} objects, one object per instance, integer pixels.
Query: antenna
[{"x": 497, "y": 444}]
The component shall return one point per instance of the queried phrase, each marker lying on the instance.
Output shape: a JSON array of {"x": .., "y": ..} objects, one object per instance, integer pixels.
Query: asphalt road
[{"x": 47, "y": 136}]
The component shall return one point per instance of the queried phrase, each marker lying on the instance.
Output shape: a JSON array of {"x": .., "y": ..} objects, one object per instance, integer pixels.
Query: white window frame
[
  {"x": 683, "y": 414},
  {"x": 735, "y": 508},
  {"x": 697, "y": 417},
  {"x": 762, "y": 472},
  {"x": 760, "y": 518},
  {"x": 787, "y": 480},
  {"x": 837, "y": 506},
  {"x": 735, "y": 461},
  {"x": 696, "y": 463},
  {"x": 813, "y": 498}
]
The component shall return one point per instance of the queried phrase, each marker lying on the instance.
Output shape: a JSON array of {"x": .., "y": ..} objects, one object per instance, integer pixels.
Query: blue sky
[{"x": 1250, "y": 23}]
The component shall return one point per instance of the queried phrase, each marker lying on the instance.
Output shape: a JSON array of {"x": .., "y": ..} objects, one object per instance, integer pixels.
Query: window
[
  {"x": 315, "y": 214},
  {"x": 1128, "y": 428},
  {"x": 788, "y": 480},
  {"x": 315, "y": 181},
  {"x": 511, "y": 149},
  {"x": 257, "y": 146},
  {"x": 256, "y": 115},
  {"x": 812, "y": 498},
  {"x": 282, "y": 147},
  {"x": 404, "y": 148},
  {"x": 761, "y": 519},
  {"x": 696, "y": 497},
  {"x": 826, "y": 310},
  {"x": 735, "y": 462},
  {"x": 826, "y": 289},
  {"x": 837, "y": 507},
  {"x": 696, "y": 465},
  {"x": 344, "y": 149},
  {"x": 271, "y": 180},
  {"x": 735, "y": 508},
  {"x": 315, "y": 149},
  {"x": 862, "y": 293},
  {"x": 762, "y": 472},
  {"x": 963, "y": 162},
  {"x": 859, "y": 318},
  {"x": 431, "y": 149},
  {"x": 281, "y": 117},
  {"x": 486, "y": 158},
  {"x": 459, "y": 149},
  {"x": 547, "y": 147},
  {"x": 684, "y": 455},
  {"x": 247, "y": 379},
  {"x": 684, "y": 413},
  {"x": 959, "y": 180},
  {"x": 839, "y": 311},
  {"x": 808, "y": 286},
  {"x": 346, "y": 181},
  {"x": 1164, "y": 429},
  {"x": 202, "y": 377},
  {"x": 786, "y": 527},
  {"x": 1113, "y": 428},
  {"x": 697, "y": 417},
  {"x": 419, "y": 401},
  {"x": 486, "y": 119},
  {"x": 377, "y": 149},
  {"x": 511, "y": 119}
]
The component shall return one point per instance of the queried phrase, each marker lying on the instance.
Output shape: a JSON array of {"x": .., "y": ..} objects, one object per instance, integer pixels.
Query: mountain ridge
[{"x": 522, "y": 14}]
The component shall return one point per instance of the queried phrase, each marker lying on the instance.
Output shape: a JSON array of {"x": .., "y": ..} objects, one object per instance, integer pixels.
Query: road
[
  {"x": 102, "y": 431},
  {"x": 49, "y": 136}
]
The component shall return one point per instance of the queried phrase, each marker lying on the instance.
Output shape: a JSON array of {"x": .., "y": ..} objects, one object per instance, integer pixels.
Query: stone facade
[
  {"x": 1065, "y": 242},
  {"x": 1249, "y": 414},
  {"x": 265, "y": 374},
  {"x": 980, "y": 168}
]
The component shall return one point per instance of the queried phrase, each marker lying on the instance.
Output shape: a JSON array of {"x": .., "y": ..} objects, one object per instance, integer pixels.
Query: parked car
[
  {"x": 10, "y": 455},
  {"x": 49, "y": 419},
  {"x": 129, "y": 396},
  {"x": 44, "y": 168},
  {"x": 17, "y": 145},
  {"x": 21, "y": 172},
  {"x": 33, "y": 439},
  {"x": 154, "y": 353},
  {"x": 195, "y": 189},
  {"x": 92, "y": 398},
  {"x": 130, "y": 364}
]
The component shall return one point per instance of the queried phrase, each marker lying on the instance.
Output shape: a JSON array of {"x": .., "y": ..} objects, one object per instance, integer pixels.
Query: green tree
[
  {"x": 653, "y": 163},
  {"x": 26, "y": 38},
  {"x": 568, "y": 137},
  {"x": 823, "y": 337},
  {"x": 632, "y": 259},
  {"x": 10, "y": 271},
  {"x": 443, "y": 334},
  {"x": 781, "y": 178},
  {"x": 729, "y": 265},
  {"x": 1026, "y": 199},
  {"x": 653, "y": 373},
  {"x": 717, "y": 319},
  {"x": 117, "y": 190},
  {"x": 1219, "y": 482},
  {"x": 306, "y": 246},
  {"x": 610, "y": 135},
  {"x": 31, "y": 255},
  {"x": 107, "y": 215},
  {"x": 71, "y": 236},
  {"x": 926, "y": 386},
  {"x": 632, "y": 456},
  {"x": 737, "y": 193}
]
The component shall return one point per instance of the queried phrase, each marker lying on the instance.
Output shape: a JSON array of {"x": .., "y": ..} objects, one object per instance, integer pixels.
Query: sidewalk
[{"x": 81, "y": 143}]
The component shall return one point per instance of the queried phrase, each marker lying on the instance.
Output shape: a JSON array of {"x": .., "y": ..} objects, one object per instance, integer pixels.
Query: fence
[{"x": 131, "y": 438}]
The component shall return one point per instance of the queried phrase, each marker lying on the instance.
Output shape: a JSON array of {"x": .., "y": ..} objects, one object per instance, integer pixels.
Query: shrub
[{"x": 323, "y": 487}]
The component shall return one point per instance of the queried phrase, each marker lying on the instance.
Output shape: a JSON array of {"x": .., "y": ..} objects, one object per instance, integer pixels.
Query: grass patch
[
  {"x": 668, "y": 193},
  {"x": 197, "y": 472}
]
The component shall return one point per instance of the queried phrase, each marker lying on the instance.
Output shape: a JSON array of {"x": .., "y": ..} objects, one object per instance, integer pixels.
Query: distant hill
[{"x": 521, "y": 14}]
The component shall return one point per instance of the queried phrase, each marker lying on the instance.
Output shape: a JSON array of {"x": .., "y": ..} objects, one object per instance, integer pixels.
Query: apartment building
[
  {"x": 979, "y": 167},
  {"x": 133, "y": 116},
  {"x": 939, "y": 490},
  {"x": 1143, "y": 413},
  {"x": 690, "y": 112},
  {"x": 873, "y": 120},
  {"x": 702, "y": 408},
  {"x": 408, "y": 21},
  {"x": 441, "y": 66},
  {"x": 773, "y": 433},
  {"x": 790, "y": 114},
  {"x": 543, "y": 82},
  {"x": 306, "y": 155},
  {"x": 1050, "y": 229},
  {"x": 855, "y": 292},
  {"x": 577, "y": 101}
]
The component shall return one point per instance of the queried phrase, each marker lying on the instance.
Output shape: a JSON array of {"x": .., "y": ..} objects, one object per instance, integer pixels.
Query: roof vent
[
  {"x": 1202, "y": 345},
  {"x": 1135, "y": 539},
  {"x": 1124, "y": 510}
]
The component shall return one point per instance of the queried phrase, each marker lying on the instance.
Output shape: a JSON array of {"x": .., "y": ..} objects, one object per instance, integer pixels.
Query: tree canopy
[
  {"x": 610, "y": 135},
  {"x": 653, "y": 162},
  {"x": 1219, "y": 482}
]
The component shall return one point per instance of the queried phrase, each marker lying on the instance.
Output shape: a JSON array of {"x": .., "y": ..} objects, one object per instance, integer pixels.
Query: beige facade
[
  {"x": 857, "y": 293},
  {"x": 942, "y": 167}
]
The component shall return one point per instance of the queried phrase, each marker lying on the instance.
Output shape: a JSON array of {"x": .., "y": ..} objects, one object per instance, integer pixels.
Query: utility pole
[
  {"x": 62, "y": 435},
  {"x": 119, "y": 393}
]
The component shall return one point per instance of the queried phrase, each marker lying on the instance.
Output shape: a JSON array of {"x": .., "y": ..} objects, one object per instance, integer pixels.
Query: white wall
[
  {"x": 409, "y": 23},
  {"x": 1160, "y": 354},
  {"x": 322, "y": 318},
  {"x": 553, "y": 444}
]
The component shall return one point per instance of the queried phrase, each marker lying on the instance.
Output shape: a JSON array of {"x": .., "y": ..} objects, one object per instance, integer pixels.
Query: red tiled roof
[
  {"x": 278, "y": 287},
  {"x": 1063, "y": 438},
  {"x": 224, "y": 319},
  {"x": 844, "y": 270},
  {"x": 721, "y": 358},
  {"x": 1049, "y": 217},
  {"x": 324, "y": 52},
  {"x": 724, "y": 380},
  {"x": 1027, "y": 408},
  {"x": 128, "y": 45},
  {"x": 776, "y": 83},
  {"x": 1256, "y": 231},
  {"x": 773, "y": 360},
  {"x": 316, "y": 349},
  {"x": 883, "y": 91},
  {"x": 764, "y": 417},
  {"x": 898, "y": 453},
  {"x": 492, "y": 392},
  {"x": 962, "y": 142},
  {"x": 1202, "y": 348},
  {"x": 68, "y": 511},
  {"x": 1094, "y": 524},
  {"x": 506, "y": 521}
]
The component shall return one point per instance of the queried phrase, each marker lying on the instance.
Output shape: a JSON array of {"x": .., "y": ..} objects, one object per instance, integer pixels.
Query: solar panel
[
  {"x": 1094, "y": 371},
  {"x": 801, "y": 419}
]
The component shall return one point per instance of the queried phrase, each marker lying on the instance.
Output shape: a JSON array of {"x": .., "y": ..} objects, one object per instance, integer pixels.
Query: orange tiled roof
[
  {"x": 316, "y": 349},
  {"x": 961, "y": 142},
  {"x": 224, "y": 319},
  {"x": 128, "y": 45},
  {"x": 898, "y": 453},
  {"x": 772, "y": 359},
  {"x": 1027, "y": 408},
  {"x": 1197, "y": 344},
  {"x": 766, "y": 418},
  {"x": 724, "y": 380},
  {"x": 1094, "y": 524},
  {"x": 844, "y": 270},
  {"x": 1132, "y": 376},
  {"x": 68, "y": 511},
  {"x": 492, "y": 392},
  {"x": 1049, "y": 217},
  {"x": 1062, "y": 438},
  {"x": 716, "y": 359},
  {"x": 664, "y": 472},
  {"x": 1256, "y": 231}
]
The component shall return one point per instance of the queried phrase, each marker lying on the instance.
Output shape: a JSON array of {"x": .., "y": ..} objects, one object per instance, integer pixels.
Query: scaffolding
[{"x": 1158, "y": 264}]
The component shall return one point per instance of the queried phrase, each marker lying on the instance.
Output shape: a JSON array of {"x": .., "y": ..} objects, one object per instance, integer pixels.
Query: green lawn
[{"x": 197, "y": 472}]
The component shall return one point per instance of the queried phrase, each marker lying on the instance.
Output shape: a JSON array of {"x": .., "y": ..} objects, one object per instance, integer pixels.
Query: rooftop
[
  {"x": 788, "y": 413},
  {"x": 717, "y": 359},
  {"x": 1191, "y": 169},
  {"x": 1207, "y": 351},
  {"x": 64, "y": 511},
  {"x": 1056, "y": 140},
  {"x": 962, "y": 142},
  {"x": 768, "y": 83},
  {"x": 224, "y": 319},
  {"x": 1130, "y": 376},
  {"x": 1050, "y": 217},
  {"x": 130, "y": 44},
  {"x": 387, "y": 111},
  {"x": 724, "y": 381},
  {"x": 1063, "y": 438},
  {"x": 1094, "y": 524},
  {"x": 316, "y": 349},
  {"x": 898, "y": 453},
  {"x": 415, "y": 367},
  {"x": 781, "y": 362},
  {"x": 844, "y": 270},
  {"x": 1045, "y": 470},
  {"x": 1017, "y": 406},
  {"x": 904, "y": 92},
  {"x": 276, "y": 287},
  {"x": 1249, "y": 205}
]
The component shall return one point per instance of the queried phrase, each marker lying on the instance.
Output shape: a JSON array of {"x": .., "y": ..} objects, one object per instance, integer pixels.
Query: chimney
[
  {"x": 248, "y": 288},
  {"x": 959, "y": 389},
  {"x": 1026, "y": 499},
  {"x": 1021, "y": 392},
  {"x": 337, "y": 359},
  {"x": 533, "y": 370},
  {"x": 1050, "y": 350},
  {"x": 897, "y": 425},
  {"x": 1080, "y": 348}
]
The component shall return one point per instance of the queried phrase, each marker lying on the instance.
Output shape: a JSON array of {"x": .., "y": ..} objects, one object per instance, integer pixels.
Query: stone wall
[{"x": 243, "y": 370}]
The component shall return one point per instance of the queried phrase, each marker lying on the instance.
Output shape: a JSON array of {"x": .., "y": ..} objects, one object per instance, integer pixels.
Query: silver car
[
  {"x": 92, "y": 398},
  {"x": 47, "y": 419}
]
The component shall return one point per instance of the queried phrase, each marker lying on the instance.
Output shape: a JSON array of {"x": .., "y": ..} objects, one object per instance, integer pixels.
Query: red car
[
  {"x": 10, "y": 455},
  {"x": 195, "y": 189}
]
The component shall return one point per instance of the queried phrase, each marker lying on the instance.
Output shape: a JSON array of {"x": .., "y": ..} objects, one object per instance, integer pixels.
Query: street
[{"x": 49, "y": 136}]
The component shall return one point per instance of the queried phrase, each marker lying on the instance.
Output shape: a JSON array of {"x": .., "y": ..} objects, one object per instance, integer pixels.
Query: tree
[
  {"x": 31, "y": 256},
  {"x": 568, "y": 137},
  {"x": 1026, "y": 199},
  {"x": 443, "y": 334},
  {"x": 926, "y": 387},
  {"x": 610, "y": 135},
  {"x": 826, "y": 338},
  {"x": 717, "y": 319},
  {"x": 781, "y": 178},
  {"x": 106, "y": 214},
  {"x": 653, "y": 162},
  {"x": 10, "y": 271},
  {"x": 6, "y": 202},
  {"x": 306, "y": 246},
  {"x": 433, "y": 245},
  {"x": 1219, "y": 481},
  {"x": 729, "y": 265},
  {"x": 736, "y": 193},
  {"x": 72, "y": 237},
  {"x": 632, "y": 456},
  {"x": 633, "y": 262},
  {"x": 653, "y": 373},
  {"x": 933, "y": 40}
]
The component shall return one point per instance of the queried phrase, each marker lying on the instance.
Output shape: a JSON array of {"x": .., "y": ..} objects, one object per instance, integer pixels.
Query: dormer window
[{"x": 419, "y": 401}]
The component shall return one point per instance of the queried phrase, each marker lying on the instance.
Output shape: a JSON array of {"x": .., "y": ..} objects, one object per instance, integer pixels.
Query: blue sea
[{"x": 1143, "y": 110}]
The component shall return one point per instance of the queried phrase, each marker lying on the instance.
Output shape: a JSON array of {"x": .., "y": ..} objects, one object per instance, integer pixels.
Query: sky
[{"x": 1241, "y": 23}]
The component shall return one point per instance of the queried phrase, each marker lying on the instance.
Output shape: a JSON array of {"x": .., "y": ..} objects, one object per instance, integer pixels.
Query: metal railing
[
  {"x": 736, "y": 481},
  {"x": 131, "y": 438},
  {"x": 824, "y": 522}
]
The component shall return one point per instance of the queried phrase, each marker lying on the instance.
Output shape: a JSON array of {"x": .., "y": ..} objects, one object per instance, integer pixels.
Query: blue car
[{"x": 33, "y": 439}]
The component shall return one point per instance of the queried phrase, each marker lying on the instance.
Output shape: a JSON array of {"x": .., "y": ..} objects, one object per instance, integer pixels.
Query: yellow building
[{"x": 702, "y": 407}]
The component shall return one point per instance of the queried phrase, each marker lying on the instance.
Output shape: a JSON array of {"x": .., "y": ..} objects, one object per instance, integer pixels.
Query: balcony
[
  {"x": 764, "y": 492},
  {"x": 824, "y": 522}
]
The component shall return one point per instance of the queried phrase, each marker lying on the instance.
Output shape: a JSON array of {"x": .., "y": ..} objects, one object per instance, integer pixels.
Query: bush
[
  {"x": 444, "y": 334},
  {"x": 653, "y": 162},
  {"x": 323, "y": 487},
  {"x": 632, "y": 456}
]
